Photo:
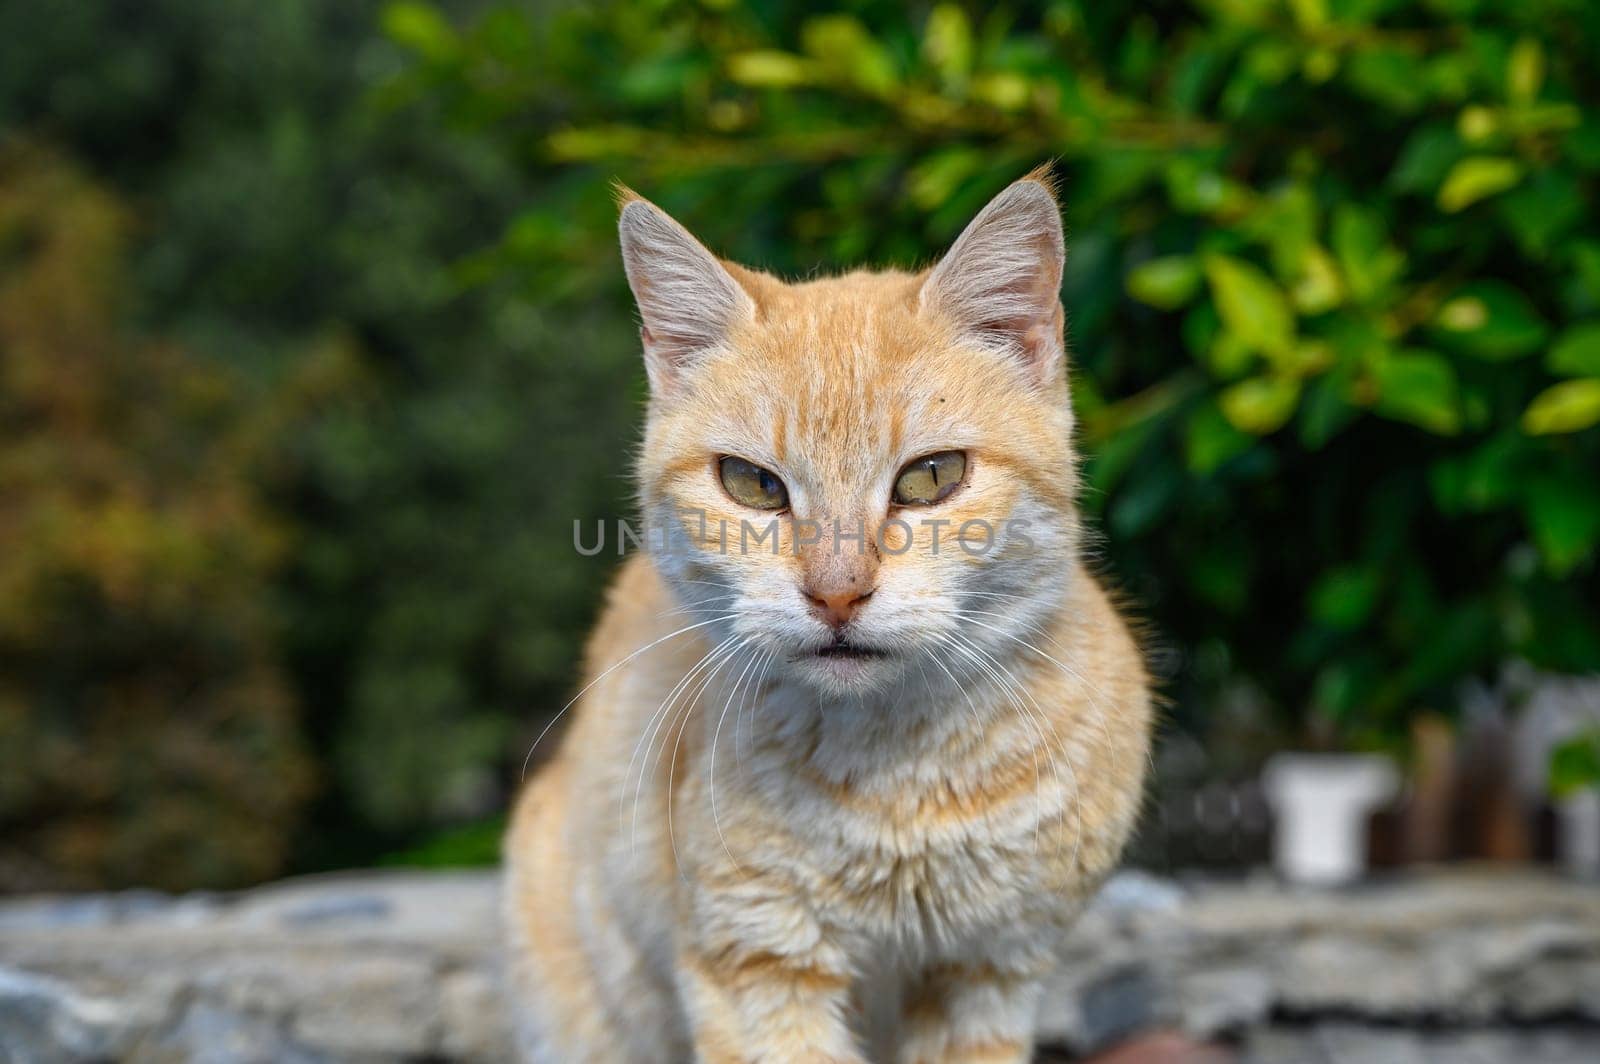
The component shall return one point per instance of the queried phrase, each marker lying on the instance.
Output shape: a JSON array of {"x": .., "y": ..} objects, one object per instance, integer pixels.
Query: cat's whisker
[
  {"x": 586, "y": 687},
  {"x": 683, "y": 726},
  {"x": 746, "y": 720},
  {"x": 922, "y": 672},
  {"x": 1093, "y": 692},
  {"x": 955, "y": 641},
  {"x": 1039, "y": 631},
  {"x": 1038, "y": 785},
  {"x": 740, "y": 729},
  {"x": 708, "y": 583},
  {"x": 972, "y": 707},
  {"x": 653, "y": 722},
  {"x": 1008, "y": 595},
  {"x": 647, "y": 732},
  {"x": 1092, "y": 689},
  {"x": 695, "y": 607},
  {"x": 711, "y": 781},
  {"x": 674, "y": 718},
  {"x": 1054, "y": 743}
]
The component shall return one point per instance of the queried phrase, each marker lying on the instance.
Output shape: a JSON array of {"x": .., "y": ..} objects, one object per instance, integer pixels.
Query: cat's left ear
[
  {"x": 687, "y": 301},
  {"x": 1001, "y": 280}
]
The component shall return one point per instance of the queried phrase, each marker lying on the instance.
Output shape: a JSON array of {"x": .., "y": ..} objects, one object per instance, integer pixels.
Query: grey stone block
[{"x": 1457, "y": 966}]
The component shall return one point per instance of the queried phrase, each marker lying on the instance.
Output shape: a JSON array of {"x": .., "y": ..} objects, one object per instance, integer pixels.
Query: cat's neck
[{"x": 936, "y": 722}]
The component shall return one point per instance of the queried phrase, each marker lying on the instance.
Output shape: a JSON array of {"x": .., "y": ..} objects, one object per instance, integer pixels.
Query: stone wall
[{"x": 1458, "y": 967}]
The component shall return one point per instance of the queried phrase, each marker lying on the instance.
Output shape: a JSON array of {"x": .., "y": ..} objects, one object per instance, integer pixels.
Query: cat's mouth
[
  {"x": 845, "y": 665},
  {"x": 849, "y": 651}
]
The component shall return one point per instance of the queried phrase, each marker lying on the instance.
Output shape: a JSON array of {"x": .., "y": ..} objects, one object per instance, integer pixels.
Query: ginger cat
[{"x": 863, "y": 734}]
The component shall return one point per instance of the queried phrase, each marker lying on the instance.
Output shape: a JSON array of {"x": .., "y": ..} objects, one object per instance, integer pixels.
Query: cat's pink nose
[{"x": 836, "y": 608}]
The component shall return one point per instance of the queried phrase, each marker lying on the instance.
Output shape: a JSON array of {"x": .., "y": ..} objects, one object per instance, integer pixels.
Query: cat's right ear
[
  {"x": 1000, "y": 283},
  {"x": 687, "y": 301}
]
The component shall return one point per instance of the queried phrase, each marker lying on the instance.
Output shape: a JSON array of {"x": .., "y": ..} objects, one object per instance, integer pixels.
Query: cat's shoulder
[
  {"x": 635, "y": 603},
  {"x": 1109, "y": 636}
]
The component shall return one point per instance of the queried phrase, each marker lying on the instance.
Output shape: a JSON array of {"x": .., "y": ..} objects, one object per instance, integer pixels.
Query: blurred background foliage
[{"x": 314, "y": 344}]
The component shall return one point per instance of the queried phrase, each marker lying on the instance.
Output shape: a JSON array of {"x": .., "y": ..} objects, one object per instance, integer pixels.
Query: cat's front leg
[
  {"x": 967, "y": 1012},
  {"x": 749, "y": 1005},
  {"x": 761, "y": 979}
]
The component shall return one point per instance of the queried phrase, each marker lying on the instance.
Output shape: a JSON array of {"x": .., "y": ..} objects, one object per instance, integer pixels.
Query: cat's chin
[{"x": 850, "y": 670}]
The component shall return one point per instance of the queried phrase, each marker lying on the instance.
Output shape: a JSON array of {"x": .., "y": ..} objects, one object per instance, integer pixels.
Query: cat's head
[{"x": 867, "y": 479}]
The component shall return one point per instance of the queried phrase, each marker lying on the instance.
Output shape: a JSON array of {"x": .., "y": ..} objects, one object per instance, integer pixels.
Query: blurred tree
[
  {"x": 146, "y": 731},
  {"x": 431, "y": 605}
]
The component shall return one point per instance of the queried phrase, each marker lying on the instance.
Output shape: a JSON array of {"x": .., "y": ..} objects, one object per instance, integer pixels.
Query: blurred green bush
[
  {"x": 1333, "y": 282},
  {"x": 1333, "y": 293}
]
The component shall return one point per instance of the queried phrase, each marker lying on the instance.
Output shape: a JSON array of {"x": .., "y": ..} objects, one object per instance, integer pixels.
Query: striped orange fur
[{"x": 835, "y": 797}]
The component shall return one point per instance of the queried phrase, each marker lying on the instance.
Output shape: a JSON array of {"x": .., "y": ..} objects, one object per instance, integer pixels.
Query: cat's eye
[
  {"x": 751, "y": 485},
  {"x": 930, "y": 478}
]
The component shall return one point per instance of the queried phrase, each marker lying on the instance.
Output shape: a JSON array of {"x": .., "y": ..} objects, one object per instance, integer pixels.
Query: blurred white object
[
  {"x": 1580, "y": 832},
  {"x": 1549, "y": 710},
  {"x": 1322, "y": 802},
  {"x": 1553, "y": 710}
]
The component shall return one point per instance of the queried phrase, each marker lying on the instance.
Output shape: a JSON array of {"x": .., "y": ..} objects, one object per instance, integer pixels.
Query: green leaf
[
  {"x": 597, "y": 142},
  {"x": 1476, "y": 178},
  {"x": 1198, "y": 189},
  {"x": 1565, "y": 520},
  {"x": 1318, "y": 287},
  {"x": 1484, "y": 479},
  {"x": 1583, "y": 143},
  {"x": 1167, "y": 283},
  {"x": 1252, "y": 307},
  {"x": 1194, "y": 73},
  {"x": 1141, "y": 501},
  {"x": 843, "y": 46},
  {"x": 1419, "y": 387},
  {"x": 1525, "y": 71},
  {"x": 1119, "y": 454},
  {"x": 1577, "y": 352},
  {"x": 1542, "y": 211},
  {"x": 1287, "y": 222},
  {"x": 947, "y": 43},
  {"x": 654, "y": 81},
  {"x": 1310, "y": 14},
  {"x": 1325, "y": 411},
  {"x": 1219, "y": 573},
  {"x": 769, "y": 69},
  {"x": 421, "y": 28},
  {"x": 1575, "y": 765},
  {"x": 1479, "y": 124},
  {"x": 1490, "y": 320},
  {"x": 1004, "y": 89},
  {"x": 1229, "y": 356},
  {"x": 1308, "y": 358},
  {"x": 1459, "y": 637},
  {"x": 1343, "y": 598},
  {"x": 1570, "y": 406},
  {"x": 1586, "y": 263},
  {"x": 1261, "y": 404},
  {"x": 1562, "y": 632},
  {"x": 1201, "y": 327},
  {"x": 1425, "y": 159},
  {"x": 933, "y": 180},
  {"x": 1210, "y": 440},
  {"x": 1342, "y": 689},
  {"x": 1369, "y": 262},
  {"x": 1387, "y": 75}
]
